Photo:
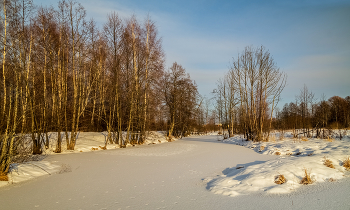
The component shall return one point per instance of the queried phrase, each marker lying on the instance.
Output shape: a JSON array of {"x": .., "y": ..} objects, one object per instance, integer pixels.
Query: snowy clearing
[
  {"x": 294, "y": 157},
  {"x": 160, "y": 176}
]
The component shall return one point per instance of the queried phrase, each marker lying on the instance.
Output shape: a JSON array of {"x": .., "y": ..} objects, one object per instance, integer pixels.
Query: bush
[
  {"x": 346, "y": 163},
  {"x": 327, "y": 162},
  {"x": 280, "y": 179},
  {"x": 306, "y": 179}
]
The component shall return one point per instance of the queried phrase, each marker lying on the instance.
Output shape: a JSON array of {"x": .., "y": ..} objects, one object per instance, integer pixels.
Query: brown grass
[
  {"x": 104, "y": 148},
  {"x": 327, "y": 162},
  {"x": 272, "y": 138},
  {"x": 277, "y": 153},
  {"x": 304, "y": 139},
  {"x": 289, "y": 153},
  {"x": 332, "y": 180},
  {"x": 329, "y": 139},
  {"x": 306, "y": 179},
  {"x": 170, "y": 138},
  {"x": 94, "y": 148},
  {"x": 3, "y": 177},
  {"x": 262, "y": 148},
  {"x": 281, "y": 136},
  {"x": 346, "y": 163},
  {"x": 280, "y": 179}
]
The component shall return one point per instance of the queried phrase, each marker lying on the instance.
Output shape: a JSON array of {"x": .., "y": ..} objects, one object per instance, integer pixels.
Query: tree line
[
  {"x": 246, "y": 102},
  {"x": 312, "y": 117},
  {"x": 62, "y": 73}
]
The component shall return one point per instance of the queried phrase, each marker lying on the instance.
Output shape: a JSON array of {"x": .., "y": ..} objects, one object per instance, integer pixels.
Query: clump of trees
[
  {"x": 61, "y": 73},
  {"x": 247, "y": 96},
  {"x": 310, "y": 117},
  {"x": 246, "y": 102}
]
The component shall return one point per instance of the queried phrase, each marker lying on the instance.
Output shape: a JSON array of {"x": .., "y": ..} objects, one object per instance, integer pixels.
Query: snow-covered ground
[
  {"x": 173, "y": 175},
  {"x": 92, "y": 141},
  {"x": 86, "y": 142},
  {"x": 294, "y": 157}
]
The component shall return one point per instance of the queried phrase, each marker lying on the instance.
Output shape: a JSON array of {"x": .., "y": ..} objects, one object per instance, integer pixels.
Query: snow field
[
  {"x": 86, "y": 142},
  {"x": 294, "y": 157}
]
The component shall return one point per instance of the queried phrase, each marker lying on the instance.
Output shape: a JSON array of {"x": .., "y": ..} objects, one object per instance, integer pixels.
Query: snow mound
[
  {"x": 293, "y": 158},
  {"x": 20, "y": 172}
]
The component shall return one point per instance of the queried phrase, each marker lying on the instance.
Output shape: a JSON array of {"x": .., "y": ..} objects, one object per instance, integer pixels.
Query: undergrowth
[
  {"x": 346, "y": 163},
  {"x": 3, "y": 176},
  {"x": 306, "y": 179},
  {"x": 280, "y": 179},
  {"x": 327, "y": 162}
]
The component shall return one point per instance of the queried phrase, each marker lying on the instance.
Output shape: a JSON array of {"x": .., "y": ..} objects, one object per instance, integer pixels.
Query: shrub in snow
[
  {"x": 304, "y": 139},
  {"x": 103, "y": 148},
  {"x": 327, "y": 162},
  {"x": 306, "y": 179},
  {"x": 346, "y": 163},
  {"x": 261, "y": 148},
  {"x": 280, "y": 179}
]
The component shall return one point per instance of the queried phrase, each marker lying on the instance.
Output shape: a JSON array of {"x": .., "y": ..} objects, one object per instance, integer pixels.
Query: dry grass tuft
[
  {"x": 104, "y": 148},
  {"x": 306, "y": 179},
  {"x": 3, "y": 177},
  {"x": 272, "y": 138},
  {"x": 94, "y": 148},
  {"x": 310, "y": 154},
  {"x": 346, "y": 163},
  {"x": 280, "y": 179},
  {"x": 170, "y": 138},
  {"x": 327, "y": 162},
  {"x": 329, "y": 139},
  {"x": 262, "y": 148},
  {"x": 289, "y": 153},
  {"x": 277, "y": 153},
  {"x": 332, "y": 180},
  {"x": 304, "y": 139}
]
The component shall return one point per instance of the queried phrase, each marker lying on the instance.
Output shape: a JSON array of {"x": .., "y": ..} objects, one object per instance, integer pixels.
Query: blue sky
[{"x": 309, "y": 39}]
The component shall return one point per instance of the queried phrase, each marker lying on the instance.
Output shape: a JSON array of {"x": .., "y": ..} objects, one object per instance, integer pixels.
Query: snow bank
[
  {"x": 86, "y": 142},
  {"x": 294, "y": 157},
  {"x": 20, "y": 172}
]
